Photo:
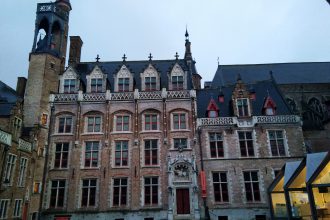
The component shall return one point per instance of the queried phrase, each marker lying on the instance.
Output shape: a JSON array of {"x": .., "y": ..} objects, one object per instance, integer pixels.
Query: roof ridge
[
  {"x": 129, "y": 61},
  {"x": 280, "y": 63},
  {"x": 9, "y": 88}
]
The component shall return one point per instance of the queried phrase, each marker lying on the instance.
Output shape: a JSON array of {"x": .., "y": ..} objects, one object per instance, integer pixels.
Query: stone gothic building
[{"x": 140, "y": 139}]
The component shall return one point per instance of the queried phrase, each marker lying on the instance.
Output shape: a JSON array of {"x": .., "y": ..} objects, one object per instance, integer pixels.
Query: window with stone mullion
[
  {"x": 122, "y": 123},
  {"x": 246, "y": 143},
  {"x": 179, "y": 121},
  {"x": 57, "y": 194},
  {"x": 91, "y": 154},
  {"x": 151, "y": 152},
  {"x": 216, "y": 145},
  {"x": 119, "y": 192},
  {"x": 177, "y": 82},
  {"x": 242, "y": 107},
  {"x": 69, "y": 85},
  {"x": 251, "y": 183},
  {"x": 61, "y": 155},
  {"x": 88, "y": 197},
  {"x": 10, "y": 165},
  {"x": 22, "y": 172},
  {"x": 276, "y": 141},
  {"x": 121, "y": 153},
  {"x": 151, "y": 190},
  {"x": 220, "y": 187},
  {"x": 4, "y": 204},
  {"x": 64, "y": 125},
  {"x": 150, "y": 83},
  {"x": 96, "y": 85},
  {"x": 94, "y": 124},
  {"x": 151, "y": 122},
  {"x": 18, "y": 208},
  {"x": 123, "y": 84}
]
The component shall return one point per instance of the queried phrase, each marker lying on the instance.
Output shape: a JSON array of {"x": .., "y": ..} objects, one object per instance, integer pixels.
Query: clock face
[{"x": 45, "y": 8}]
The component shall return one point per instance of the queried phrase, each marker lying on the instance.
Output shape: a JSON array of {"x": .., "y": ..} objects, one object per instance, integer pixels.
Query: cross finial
[
  {"x": 124, "y": 58},
  {"x": 176, "y": 56},
  {"x": 150, "y": 57},
  {"x": 97, "y": 58},
  {"x": 218, "y": 61}
]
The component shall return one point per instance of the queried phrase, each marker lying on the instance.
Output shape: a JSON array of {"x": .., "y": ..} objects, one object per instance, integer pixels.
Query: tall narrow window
[
  {"x": 246, "y": 143},
  {"x": 88, "y": 197},
  {"x": 121, "y": 153},
  {"x": 64, "y": 124},
  {"x": 96, "y": 85},
  {"x": 251, "y": 182},
  {"x": 69, "y": 86},
  {"x": 242, "y": 107},
  {"x": 151, "y": 122},
  {"x": 22, "y": 172},
  {"x": 18, "y": 208},
  {"x": 151, "y": 152},
  {"x": 92, "y": 154},
  {"x": 150, "y": 83},
  {"x": 179, "y": 121},
  {"x": 216, "y": 145},
  {"x": 123, "y": 84},
  {"x": 61, "y": 155},
  {"x": 93, "y": 124},
  {"x": 57, "y": 194},
  {"x": 177, "y": 82},
  {"x": 17, "y": 127},
  {"x": 122, "y": 123},
  {"x": 119, "y": 191},
  {"x": 276, "y": 140},
  {"x": 4, "y": 203},
  {"x": 151, "y": 190},
  {"x": 220, "y": 187},
  {"x": 10, "y": 167}
]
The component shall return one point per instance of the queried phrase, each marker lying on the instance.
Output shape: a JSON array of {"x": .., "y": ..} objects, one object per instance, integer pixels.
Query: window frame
[
  {"x": 246, "y": 141},
  {"x": 96, "y": 85},
  {"x": 121, "y": 158},
  {"x": 4, "y": 211},
  {"x": 150, "y": 122},
  {"x": 180, "y": 142},
  {"x": 153, "y": 191},
  {"x": 121, "y": 188},
  {"x": 123, "y": 84},
  {"x": 71, "y": 87},
  {"x": 119, "y": 126},
  {"x": 221, "y": 184},
  {"x": 22, "y": 171},
  {"x": 91, "y": 159},
  {"x": 17, "y": 126},
  {"x": 61, "y": 153},
  {"x": 18, "y": 208},
  {"x": 65, "y": 127},
  {"x": 276, "y": 142},
  {"x": 149, "y": 85},
  {"x": 250, "y": 183},
  {"x": 216, "y": 141},
  {"x": 58, "y": 189},
  {"x": 242, "y": 109},
  {"x": 89, "y": 187},
  {"x": 151, "y": 152},
  {"x": 91, "y": 128},
  {"x": 177, "y": 84},
  {"x": 179, "y": 124},
  {"x": 9, "y": 169}
]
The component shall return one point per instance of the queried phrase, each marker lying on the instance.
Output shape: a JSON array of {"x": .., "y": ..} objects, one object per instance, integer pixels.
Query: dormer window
[
  {"x": 96, "y": 85},
  {"x": 242, "y": 107},
  {"x": 177, "y": 82},
  {"x": 123, "y": 84},
  {"x": 269, "y": 106},
  {"x": 212, "y": 109},
  {"x": 69, "y": 85},
  {"x": 150, "y": 83}
]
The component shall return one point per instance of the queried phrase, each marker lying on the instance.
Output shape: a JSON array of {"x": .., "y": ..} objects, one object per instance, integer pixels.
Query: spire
[{"x": 187, "y": 55}]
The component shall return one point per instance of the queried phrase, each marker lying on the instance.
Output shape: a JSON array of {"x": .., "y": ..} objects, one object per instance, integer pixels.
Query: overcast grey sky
[{"x": 236, "y": 31}]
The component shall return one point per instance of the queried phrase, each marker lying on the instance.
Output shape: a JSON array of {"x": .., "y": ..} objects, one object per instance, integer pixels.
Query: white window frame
[
  {"x": 186, "y": 121},
  {"x": 87, "y": 117},
  {"x": 223, "y": 144},
  {"x": 96, "y": 193},
  {"x": 285, "y": 143},
  {"x": 4, "y": 211},
  {"x": 144, "y": 121},
  {"x": 9, "y": 169},
  {"x": 150, "y": 71},
  {"x": 22, "y": 172},
  {"x": 122, "y": 123},
  {"x": 144, "y": 152},
  {"x": 121, "y": 154},
  {"x": 18, "y": 208},
  {"x": 84, "y": 155},
  {"x": 246, "y": 114},
  {"x": 98, "y": 86},
  {"x": 71, "y": 87},
  {"x": 177, "y": 71},
  {"x": 253, "y": 143},
  {"x": 65, "y": 117}
]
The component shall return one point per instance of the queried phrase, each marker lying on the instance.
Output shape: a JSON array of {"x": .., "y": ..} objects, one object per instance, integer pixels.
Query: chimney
[
  {"x": 20, "y": 86},
  {"x": 196, "y": 78},
  {"x": 75, "y": 50}
]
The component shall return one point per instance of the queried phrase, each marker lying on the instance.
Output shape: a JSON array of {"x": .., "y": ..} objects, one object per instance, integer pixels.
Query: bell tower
[{"x": 47, "y": 58}]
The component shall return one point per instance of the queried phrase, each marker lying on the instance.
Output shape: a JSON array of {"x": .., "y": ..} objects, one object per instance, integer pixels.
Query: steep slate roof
[
  {"x": 261, "y": 88},
  {"x": 163, "y": 67},
  {"x": 283, "y": 73},
  {"x": 8, "y": 98}
]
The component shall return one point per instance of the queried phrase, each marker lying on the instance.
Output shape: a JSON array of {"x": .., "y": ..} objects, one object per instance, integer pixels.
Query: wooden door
[{"x": 182, "y": 201}]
